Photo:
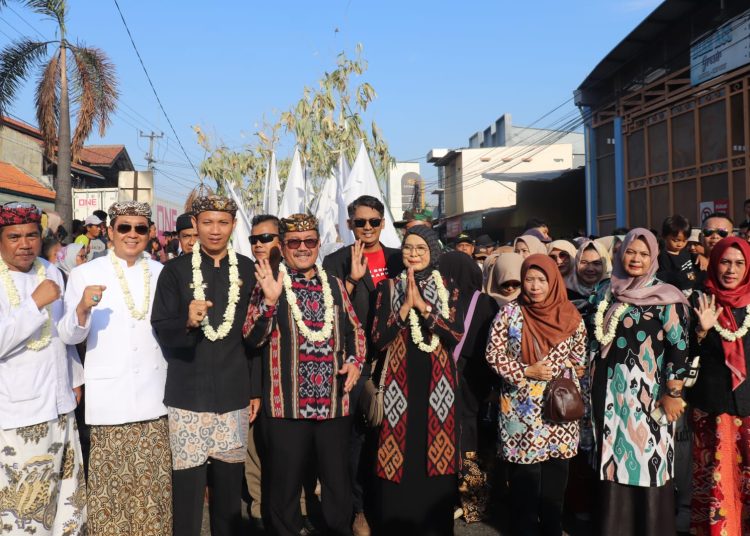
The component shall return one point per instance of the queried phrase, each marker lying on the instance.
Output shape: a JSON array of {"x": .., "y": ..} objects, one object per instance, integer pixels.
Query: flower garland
[
  {"x": 416, "y": 330},
  {"x": 732, "y": 336},
  {"x": 323, "y": 333},
  {"x": 135, "y": 313},
  {"x": 200, "y": 294},
  {"x": 15, "y": 300},
  {"x": 607, "y": 338}
]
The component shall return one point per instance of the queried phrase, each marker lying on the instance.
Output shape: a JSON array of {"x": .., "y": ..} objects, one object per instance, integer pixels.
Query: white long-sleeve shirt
[
  {"x": 35, "y": 386},
  {"x": 125, "y": 370}
]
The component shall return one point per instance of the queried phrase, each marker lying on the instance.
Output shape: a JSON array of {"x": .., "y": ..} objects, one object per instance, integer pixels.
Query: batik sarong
[
  {"x": 42, "y": 487},
  {"x": 130, "y": 480}
]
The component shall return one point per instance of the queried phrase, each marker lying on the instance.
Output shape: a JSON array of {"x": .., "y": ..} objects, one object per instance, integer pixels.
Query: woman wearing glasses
[
  {"x": 418, "y": 324},
  {"x": 504, "y": 279}
]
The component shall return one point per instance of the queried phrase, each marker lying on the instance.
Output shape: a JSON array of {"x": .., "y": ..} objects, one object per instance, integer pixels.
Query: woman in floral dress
[
  {"x": 641, "y": 328},
  {"x": 532, "y": 341},
  {"x": 721, "y": 395}
]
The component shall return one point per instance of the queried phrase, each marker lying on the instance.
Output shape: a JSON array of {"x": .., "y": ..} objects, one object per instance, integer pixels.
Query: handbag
[
  {"x": 372, "y": 402},
  {"x": 563, "y": 402}
]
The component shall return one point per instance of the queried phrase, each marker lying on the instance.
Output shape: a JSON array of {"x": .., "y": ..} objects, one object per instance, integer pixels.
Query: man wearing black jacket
[{"x": 362, "y": 266}]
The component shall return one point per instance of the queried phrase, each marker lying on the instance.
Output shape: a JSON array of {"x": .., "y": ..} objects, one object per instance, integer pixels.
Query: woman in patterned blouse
[
  {"x": 532, "y": 341},
  {"x": 637, "y": 374}
]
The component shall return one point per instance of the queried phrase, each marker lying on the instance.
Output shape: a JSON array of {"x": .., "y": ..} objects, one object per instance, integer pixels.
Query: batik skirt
[
  {"x": 130, "y": 480},
  {"x": 42, "y": 486}
]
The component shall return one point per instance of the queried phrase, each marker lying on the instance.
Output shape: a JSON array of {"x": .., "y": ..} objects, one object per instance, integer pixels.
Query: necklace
[
  {"x": 15, "y": 300},
  {"x": 731, "y": 336},
  {"x": 324, "y": 332},
  {"x": 416, "y": 330},
  {"x": 199, "y": 293},
  {"x": 135, "y": 313},
  {"x": 607, "y": 338}
]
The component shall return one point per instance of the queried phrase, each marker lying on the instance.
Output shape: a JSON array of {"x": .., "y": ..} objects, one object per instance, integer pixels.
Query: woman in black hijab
[{"x": 475, "y": 379}]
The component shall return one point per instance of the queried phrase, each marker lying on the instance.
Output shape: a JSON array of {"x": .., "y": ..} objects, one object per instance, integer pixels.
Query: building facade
[{"x": 667, "y": 118}]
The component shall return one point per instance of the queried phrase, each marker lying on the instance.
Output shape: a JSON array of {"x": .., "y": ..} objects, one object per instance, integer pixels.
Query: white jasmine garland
[
  {"x": 416, "y": 330},
  {"x": 135, "y": 313},
  {"x": 200, "y": 294},
  {"x": 324, "y": 332},
  {"x": 15, "y": 300},
  {"x": 732, "y": 336},
  {"x": 607, "y": 338}
]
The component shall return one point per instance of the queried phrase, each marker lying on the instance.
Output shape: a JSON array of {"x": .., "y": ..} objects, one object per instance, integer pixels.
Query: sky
[{"x": 442, "y": 70}]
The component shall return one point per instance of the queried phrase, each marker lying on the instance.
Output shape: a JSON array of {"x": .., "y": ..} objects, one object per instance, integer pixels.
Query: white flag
[
  {"x": 271, "y": 188},
  {"x": 293, "y": 201}
]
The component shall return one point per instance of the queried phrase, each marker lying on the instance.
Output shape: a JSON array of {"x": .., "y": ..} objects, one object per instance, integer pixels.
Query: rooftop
[{"x": 14, "y": 180}]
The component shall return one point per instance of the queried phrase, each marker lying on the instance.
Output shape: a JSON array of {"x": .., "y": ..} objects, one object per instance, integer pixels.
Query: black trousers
[
  {"x": 635, "y": 510},
  {"x": 293, "y": 445},
  {"x": 225, "y": 506},
  {"x": 537, "y": 491}
]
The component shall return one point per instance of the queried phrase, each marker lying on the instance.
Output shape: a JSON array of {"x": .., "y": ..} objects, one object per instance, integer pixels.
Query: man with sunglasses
[
  {"x": 200, "y": 304},
  {"x": 362, "y": 266},
  {"x": 108, "y": 304},
  {"x": 715, "y": 227},
  {"x": 41, "y": 471},
  {"x": 313, "y": 350}
]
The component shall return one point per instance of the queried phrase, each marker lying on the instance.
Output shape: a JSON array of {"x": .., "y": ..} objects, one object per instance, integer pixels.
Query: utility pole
[{"x": 149, "y": 158}]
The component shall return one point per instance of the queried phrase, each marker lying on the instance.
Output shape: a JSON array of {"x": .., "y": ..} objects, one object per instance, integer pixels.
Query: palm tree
[{"x": 88, "y": 81}]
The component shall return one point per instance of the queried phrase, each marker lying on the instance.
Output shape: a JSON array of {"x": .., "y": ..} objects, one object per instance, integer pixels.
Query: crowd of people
[{"x": 405, "y": 387}]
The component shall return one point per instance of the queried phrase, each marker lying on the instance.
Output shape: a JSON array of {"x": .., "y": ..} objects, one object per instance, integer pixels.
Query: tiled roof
[
  {"x": 21, "y": 125},
  {"x": 15, "y": 180},
  {"x": 100, "y": 155}
]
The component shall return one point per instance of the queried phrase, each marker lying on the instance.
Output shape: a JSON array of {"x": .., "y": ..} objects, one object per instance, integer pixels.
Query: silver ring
[{"x": 95, "y": 298}]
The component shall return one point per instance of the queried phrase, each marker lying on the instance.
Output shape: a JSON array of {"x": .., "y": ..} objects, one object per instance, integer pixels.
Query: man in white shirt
[
  {"x": 42, "y": 489},
  {"x": 108, "y": 304}
]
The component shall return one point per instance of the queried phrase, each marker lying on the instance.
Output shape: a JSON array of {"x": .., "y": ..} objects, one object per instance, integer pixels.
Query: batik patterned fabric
[
  {"x": 525, "y": 436},
  {"x": 130, "y": 480},
  {"x": 42, "y": 484},
  {"x": 194, "y": 436},
  {"x": 721, "y": 471},
  {"x": 473, "y": 489},
  {"x": 390, "y": 332},
  {"x": 300, "y": 377},
  {"x": 650, "y": 348}
]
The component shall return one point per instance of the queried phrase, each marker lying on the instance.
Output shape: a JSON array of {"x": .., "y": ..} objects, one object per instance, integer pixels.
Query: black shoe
[
  {"x": 257, "y": 526},
  {"x": 308, "y": 529}
]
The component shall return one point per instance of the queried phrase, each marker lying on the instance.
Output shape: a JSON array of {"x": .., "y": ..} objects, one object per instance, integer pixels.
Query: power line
[{"x": 158, "y": 100}]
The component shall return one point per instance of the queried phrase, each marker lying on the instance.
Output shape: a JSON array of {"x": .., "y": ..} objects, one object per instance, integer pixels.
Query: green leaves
[{"x": 16, "y": 62}]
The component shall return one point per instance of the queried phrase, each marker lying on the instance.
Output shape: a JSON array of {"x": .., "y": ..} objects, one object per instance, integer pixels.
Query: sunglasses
[
  {"x": 125, "y": 228},
  {"x": 721, "y": 232},
  {"x": 295, "y": 243},
  {"x": 264, "y": 238},
  {"x": 361, "y": 222},
  {"x": 510, "y": 284}
]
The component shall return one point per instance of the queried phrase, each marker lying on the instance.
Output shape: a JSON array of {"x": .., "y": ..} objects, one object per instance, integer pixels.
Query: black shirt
[
  {"x": 202, "y": 375},
  {"x": 678, "y": 270}
]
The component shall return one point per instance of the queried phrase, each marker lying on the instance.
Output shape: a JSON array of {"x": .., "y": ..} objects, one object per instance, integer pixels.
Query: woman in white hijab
[
  {"x": 562, "y": 252},
  {"x": 526, "y": 245}
]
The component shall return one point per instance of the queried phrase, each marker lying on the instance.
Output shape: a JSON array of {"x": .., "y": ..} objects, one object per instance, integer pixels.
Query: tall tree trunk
[{"x": 64, "y": 197}]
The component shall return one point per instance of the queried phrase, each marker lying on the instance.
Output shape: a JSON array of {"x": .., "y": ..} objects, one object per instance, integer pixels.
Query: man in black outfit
[{"x": 362, "y": 266}]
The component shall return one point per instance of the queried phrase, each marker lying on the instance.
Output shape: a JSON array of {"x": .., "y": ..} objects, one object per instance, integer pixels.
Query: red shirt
[{"x": 376, "y": 264}]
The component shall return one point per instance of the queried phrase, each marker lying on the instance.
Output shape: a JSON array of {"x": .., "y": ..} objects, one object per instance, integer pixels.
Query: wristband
[
  {"x": 675, "y": 393},
  {"x": 351, "y": 280}
]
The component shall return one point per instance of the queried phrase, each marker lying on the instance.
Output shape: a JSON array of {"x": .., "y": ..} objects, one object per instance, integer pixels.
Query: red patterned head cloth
[{"x": 15, "y": 213}]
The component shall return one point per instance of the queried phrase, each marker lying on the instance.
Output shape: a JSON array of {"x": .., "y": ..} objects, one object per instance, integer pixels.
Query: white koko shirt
[
  {"x": 124, "y": 369},
  {"x": 35, "y": 386}
]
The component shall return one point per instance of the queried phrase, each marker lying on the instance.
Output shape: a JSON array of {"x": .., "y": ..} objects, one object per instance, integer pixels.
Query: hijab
[
  {"x": 734, "y": 352},
  {"x": 431, "y": 238},
  {"x": 66, "y": 257},
  {"x": 533, "y": 243},
  {"x": 507, "y": 267},
  {"x": 462, "y": 272},
  {"x": 551, "y": 321},
  {"x": 639, "y": 290},
  {"x": 573, "y": 282},
  {"x": 567, "y": 247}
]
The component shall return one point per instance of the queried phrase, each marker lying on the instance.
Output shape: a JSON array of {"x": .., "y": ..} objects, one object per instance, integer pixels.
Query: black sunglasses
[
  {"x": 361, "y": 222},
  {"x": 264, "y": 238},
  {"x": 125, "y": 228},
  {"x": 510, "y": 284},
  {"x": 721, "y": 232},
  {"x": 295, "y": 243}
]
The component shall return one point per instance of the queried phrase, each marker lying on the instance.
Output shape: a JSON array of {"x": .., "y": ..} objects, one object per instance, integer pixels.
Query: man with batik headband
[
  {"x": 42, "y": 486},
  {"x": 313, "y": 350},
  {"x": 201, "y": 302},
  {"x": 108, "y": 304}
]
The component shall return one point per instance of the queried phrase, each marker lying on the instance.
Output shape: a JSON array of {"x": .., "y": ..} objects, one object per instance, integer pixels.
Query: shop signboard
[{"x": 721, "y": 51}]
